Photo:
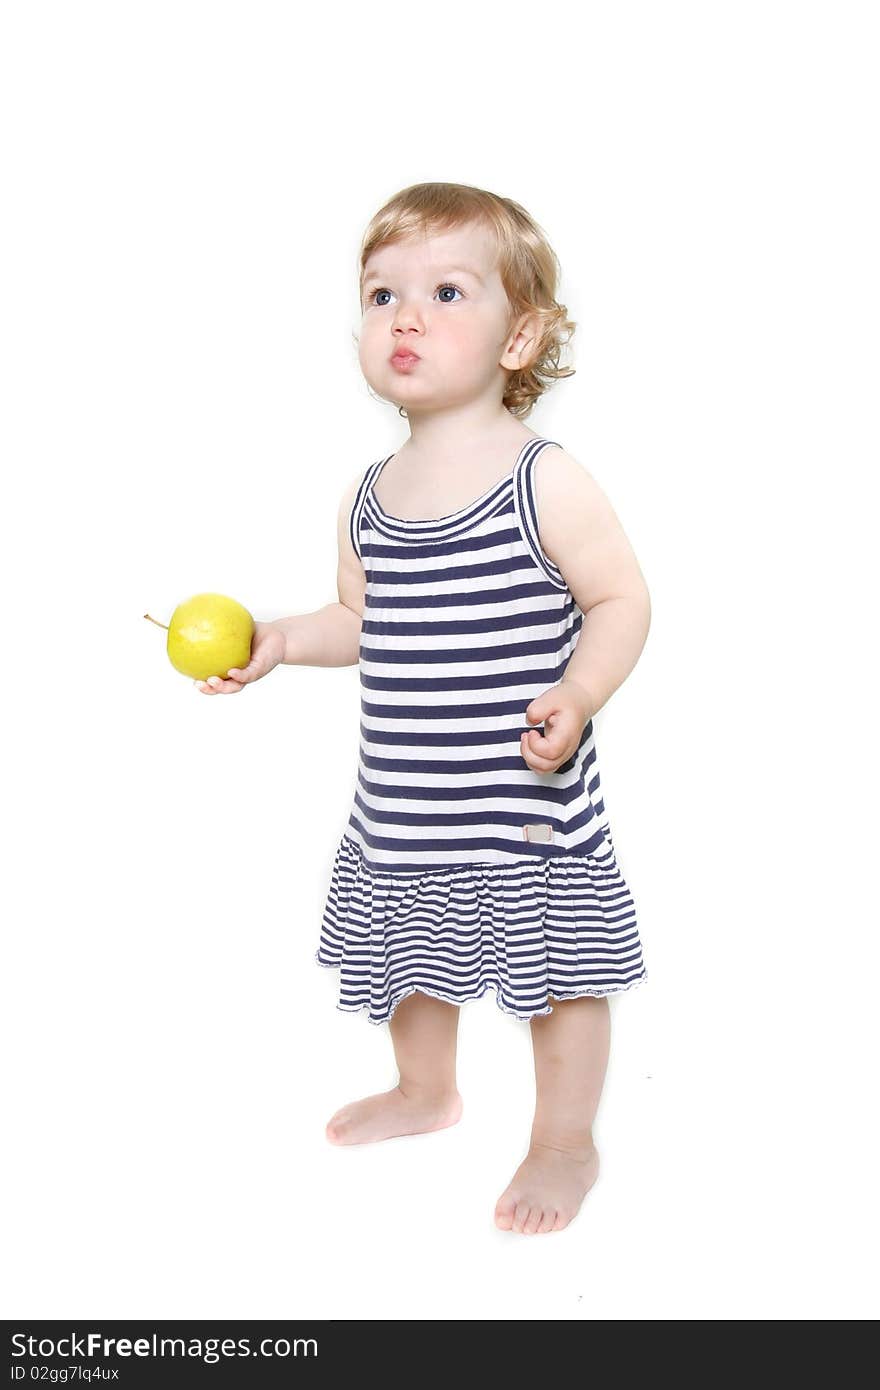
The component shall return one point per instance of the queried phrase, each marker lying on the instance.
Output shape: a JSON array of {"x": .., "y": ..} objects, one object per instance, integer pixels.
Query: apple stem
[{"x": 153, "y": 620}]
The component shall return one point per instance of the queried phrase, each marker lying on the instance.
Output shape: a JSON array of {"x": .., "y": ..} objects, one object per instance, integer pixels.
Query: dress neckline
[{"x": 462, "y": 512}]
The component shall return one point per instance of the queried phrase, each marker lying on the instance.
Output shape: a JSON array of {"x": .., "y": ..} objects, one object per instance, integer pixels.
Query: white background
[{"x": 185, "y": 190}]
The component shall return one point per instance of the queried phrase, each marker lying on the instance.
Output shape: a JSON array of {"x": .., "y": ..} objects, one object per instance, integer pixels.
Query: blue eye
[{"x": 372, "y": 298}]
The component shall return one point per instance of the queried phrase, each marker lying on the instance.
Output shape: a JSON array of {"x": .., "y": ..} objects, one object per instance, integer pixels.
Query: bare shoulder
[
  {"x": 350, "y": 492},
  {"x": 557, "y": 469},
  {"x": 580, "y": 531},
  {"x": 351, "y": 580},
  {"x": 566, "y": 495}
]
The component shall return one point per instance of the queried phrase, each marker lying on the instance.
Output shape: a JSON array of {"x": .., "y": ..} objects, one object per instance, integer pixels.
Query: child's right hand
[{"x": 268, "y": 646}]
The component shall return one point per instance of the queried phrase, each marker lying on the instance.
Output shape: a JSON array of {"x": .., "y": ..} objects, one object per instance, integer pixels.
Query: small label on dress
[{"x": 538, "y": 832}]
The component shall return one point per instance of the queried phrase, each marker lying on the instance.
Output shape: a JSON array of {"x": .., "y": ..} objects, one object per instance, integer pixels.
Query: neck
[{"x": 463, "y": 432}]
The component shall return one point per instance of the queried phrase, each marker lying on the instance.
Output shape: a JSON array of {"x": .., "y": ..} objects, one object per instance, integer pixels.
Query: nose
[{"x": 406, "y": 318}]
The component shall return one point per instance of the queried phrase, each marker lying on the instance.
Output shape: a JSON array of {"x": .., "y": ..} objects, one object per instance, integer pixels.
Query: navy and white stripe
[
  {"x": 559, "y": 928},
  {"x": 466, "y": 620}
]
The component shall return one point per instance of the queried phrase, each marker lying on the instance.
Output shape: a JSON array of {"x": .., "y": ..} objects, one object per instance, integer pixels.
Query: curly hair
[{"x": 527, "y": 265}]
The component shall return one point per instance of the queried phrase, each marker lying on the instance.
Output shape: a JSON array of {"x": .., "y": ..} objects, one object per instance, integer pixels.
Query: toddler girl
[{"x": 485, "y": 588}]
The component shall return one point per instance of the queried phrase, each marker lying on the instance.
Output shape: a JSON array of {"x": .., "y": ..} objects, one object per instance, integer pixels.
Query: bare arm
[
  {"x": 581, "y": 533},
  {"x": 331, "y": 636}
]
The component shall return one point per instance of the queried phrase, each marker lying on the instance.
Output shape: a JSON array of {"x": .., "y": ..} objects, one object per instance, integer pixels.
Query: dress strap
[
  {"x": 525, "y": 505},
  {"x": 354, "y": 520}
]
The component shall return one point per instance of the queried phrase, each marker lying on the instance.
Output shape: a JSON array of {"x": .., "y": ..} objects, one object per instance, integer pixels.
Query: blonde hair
[{"x": 527, "y": 265}]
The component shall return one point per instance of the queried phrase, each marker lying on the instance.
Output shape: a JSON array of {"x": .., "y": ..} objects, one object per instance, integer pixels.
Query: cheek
[
  {"x": 368, "y": 341},
  {"x": 463, "y": 337}
]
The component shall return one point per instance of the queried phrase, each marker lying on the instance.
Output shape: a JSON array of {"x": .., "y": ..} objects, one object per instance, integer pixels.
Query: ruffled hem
[
  {"x": 483, "y": 989},
  {"x": 561, "y": 927}
]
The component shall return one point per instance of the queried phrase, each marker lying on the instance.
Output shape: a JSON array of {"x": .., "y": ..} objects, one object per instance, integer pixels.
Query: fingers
[
  {"x": 251, "y": 672},
  {"x": 541, "y": 753},
  {"x": 215, "y": 685},
  {"x": 237, "y": 679},
  {"x": 264, "y": 657}
]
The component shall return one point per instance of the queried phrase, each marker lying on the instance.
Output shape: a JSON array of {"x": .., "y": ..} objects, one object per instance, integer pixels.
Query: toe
[
  {"x": 533, "y": 1221},
  {"x": 504, "y": 1210},
  {"x": 335, "y": 1128},
  {"x": 520, "y": 1216},
  {"x": 548, "y": 1221}
]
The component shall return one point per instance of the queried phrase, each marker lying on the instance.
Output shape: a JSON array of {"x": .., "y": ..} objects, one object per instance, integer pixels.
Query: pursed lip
[{"x": 404, "y": 353}]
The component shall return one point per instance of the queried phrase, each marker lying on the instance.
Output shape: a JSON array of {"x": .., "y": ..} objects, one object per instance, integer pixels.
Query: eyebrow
[{"x": 453, "y": 270}]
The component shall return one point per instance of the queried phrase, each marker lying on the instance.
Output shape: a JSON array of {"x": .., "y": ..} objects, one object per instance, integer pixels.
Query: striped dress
[{"x": 461, "y": 869}]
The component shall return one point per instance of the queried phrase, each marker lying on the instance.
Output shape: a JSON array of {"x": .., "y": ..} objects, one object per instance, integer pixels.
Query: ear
[{"x": 521, "y": 347}]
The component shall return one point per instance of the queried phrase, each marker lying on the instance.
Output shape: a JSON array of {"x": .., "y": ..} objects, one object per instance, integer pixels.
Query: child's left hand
[{"x": 565, "y": 709}]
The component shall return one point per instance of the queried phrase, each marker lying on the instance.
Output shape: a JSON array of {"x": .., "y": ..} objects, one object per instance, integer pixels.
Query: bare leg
[
  {"x": 425, "y": 1034},
  {"x": 571, "y": 1056}
]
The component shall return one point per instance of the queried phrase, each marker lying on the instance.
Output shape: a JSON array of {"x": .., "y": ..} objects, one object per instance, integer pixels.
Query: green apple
[{"x": 207, "y": 634}]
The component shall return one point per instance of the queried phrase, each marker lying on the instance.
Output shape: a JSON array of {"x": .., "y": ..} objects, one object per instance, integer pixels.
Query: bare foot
[
  {"x": 389, "y": 1114},
  {"x": 547, "y": 1189}
]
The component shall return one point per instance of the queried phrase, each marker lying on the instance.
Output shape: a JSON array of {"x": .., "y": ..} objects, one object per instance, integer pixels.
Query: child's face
[{"x": 460, "y": 334}]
